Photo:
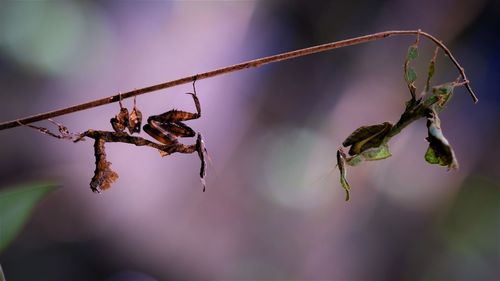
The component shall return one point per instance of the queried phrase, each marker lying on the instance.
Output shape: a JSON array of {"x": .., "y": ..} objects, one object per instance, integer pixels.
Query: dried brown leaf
[{"x": 103, "y": 175}]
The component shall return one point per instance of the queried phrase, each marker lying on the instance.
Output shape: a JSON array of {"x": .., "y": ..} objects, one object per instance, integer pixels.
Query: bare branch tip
[
  {"x": 475, "y": 99},
  {"x": 466, "y": 83}
]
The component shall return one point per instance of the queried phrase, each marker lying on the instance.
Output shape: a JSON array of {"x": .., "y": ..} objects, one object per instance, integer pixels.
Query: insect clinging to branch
[
  {"x": 165, "y": 128},
  {"x": 370, "y": 143},
  {"x": 169, "y": 126}
]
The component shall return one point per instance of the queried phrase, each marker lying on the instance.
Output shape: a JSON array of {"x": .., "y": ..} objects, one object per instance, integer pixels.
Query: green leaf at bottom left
[
  {"x": 2, "y": 277},
  {"x": 16, "y": 206}
]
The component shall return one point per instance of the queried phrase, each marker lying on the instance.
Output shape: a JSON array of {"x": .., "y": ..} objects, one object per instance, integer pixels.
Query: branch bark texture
[{"x": 237, "y": 67}]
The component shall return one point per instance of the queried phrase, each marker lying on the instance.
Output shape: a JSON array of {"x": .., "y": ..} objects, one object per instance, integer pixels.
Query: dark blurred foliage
[{"x": 272, "y": 133}]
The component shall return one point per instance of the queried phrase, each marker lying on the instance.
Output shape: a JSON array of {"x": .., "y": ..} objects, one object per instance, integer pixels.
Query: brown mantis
[{"x": 165, "y": 128}]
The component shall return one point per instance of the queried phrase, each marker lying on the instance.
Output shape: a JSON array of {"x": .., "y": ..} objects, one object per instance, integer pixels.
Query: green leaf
[
  {"x": 367, "y": 137},
  {"x": 430, "y": 73},
  {"x": 355, "y": 160},
  {"x": 412, "y": 52},
  {"x": 440, "y": 151},
  {"x": 432, "y": 157},
  {"x": 2, "y": 277},
  {"x": 411, "y": 75},
  {"x": 429, "y": 101},
  {"x": 371, "y": 154},
  {"x": 343, "y": 173},
  {"x": 431, "y": 70},
  {"x": 377, "y": 153},
  {"x": 16, "y": 205},
  {"x": 440, "y": 97},
  {"x": 444, "y": 92}
]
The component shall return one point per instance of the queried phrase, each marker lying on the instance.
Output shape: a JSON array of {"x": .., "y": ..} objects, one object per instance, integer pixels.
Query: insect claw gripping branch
[
  {"x": 169, "y": 126},
  {"x": 165, "y": 128}
]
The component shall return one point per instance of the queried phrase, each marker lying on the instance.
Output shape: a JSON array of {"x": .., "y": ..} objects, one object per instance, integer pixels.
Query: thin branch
[{"x": 238, "y": 67}]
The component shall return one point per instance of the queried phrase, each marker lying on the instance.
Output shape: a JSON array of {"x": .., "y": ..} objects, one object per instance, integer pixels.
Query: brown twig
[{"x": 238, "y": 67}]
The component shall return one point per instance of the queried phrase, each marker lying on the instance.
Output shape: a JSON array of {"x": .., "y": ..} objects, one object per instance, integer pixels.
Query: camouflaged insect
[{"x": 369, "y": 143}]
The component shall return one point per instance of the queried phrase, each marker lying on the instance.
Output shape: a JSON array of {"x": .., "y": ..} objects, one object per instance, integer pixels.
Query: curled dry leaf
[
  {"x": 103, "y": 175},
  {"x": 440, "y": 151},
  {"x": 367, "y": 137},
  {"x": 134, "y": 121},
  {"x": 120, "y": 121}
]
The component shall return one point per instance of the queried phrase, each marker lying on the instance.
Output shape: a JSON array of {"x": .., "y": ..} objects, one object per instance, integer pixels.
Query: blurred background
[{"x": 274, "y": 208}]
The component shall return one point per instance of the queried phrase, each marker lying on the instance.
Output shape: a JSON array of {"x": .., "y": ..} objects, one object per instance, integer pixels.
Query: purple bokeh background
[{"x": 274, "y": 208}]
